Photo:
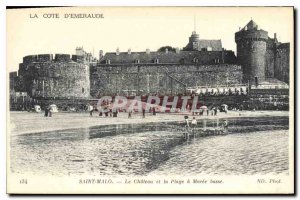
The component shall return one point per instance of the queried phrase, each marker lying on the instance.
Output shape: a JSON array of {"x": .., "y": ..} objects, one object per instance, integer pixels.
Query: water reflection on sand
[{"x": 256, "y": 146}]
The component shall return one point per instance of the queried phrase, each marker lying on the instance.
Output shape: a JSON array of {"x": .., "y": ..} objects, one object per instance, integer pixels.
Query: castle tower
[
  {"x": 251, "y": 52},
  {"x": 194, "y": 41}
]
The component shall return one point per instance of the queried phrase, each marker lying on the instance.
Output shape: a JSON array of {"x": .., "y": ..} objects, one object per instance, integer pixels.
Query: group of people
[
  {"x": 226, "y": 93},
  {"x": 213, "y": 111},
  {"x": 193, "y": 123},
  {"x": 111, "y": 113},
  {"x": 105, "y": 113}
]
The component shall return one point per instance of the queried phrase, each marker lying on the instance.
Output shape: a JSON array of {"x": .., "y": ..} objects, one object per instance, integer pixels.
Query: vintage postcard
[{"x": 150, "y": 100}]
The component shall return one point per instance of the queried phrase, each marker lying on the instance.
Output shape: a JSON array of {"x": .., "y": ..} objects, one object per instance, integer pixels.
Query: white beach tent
[
  {"x": 53, "y": 108},
  {"x": 37, "y": 108},
  {"x": 224, "y": 107},
  {"x": 203, "y": 108}
]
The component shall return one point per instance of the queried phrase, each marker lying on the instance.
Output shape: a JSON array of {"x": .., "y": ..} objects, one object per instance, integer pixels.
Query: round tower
[
  {"x": 194, "y": 41},
  {"x": 251, "y": 52}
]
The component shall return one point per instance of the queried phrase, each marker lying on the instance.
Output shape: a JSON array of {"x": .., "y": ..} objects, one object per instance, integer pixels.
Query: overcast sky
[{"x": 136, "y": 28}]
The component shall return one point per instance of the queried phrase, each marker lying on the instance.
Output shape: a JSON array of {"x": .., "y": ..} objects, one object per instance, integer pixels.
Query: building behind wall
[
  {"x": 165, "y": 72},
  {"x": 197, "y": 44}
]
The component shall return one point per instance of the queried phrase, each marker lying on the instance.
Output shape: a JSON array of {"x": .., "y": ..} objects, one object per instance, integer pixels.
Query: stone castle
[
  {"x": 260, "y": 56},
  {"x": 260, "y": 61}
]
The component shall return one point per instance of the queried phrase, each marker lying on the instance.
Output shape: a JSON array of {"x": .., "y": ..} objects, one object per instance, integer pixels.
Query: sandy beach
[{"x": 27, "y": 122}]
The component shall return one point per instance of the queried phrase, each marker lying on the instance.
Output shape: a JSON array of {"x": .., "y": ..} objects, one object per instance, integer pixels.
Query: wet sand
[
  {"x": 25, "y": 122},
  {"x": 255, "y": 145}
]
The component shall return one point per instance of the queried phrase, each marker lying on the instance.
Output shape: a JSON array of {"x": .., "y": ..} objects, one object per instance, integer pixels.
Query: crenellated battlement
[
  {"x": 254, "y": 35},
  {"x": 52, "y": 58}
]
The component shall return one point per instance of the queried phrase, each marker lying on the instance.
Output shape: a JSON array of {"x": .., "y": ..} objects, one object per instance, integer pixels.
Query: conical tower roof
[{"x": 251, "y": 26}]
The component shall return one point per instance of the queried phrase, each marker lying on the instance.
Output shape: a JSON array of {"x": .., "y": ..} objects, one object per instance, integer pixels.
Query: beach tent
[
  {"x": 244, "y": 89},
  {"x": 203, "y": 91},
  {"x": 224, "y": 108},
  {"x": 90, "y": 107},
  {"x": 37, "y": 108},
  {"x": 191, "y": 90},
  {"x": 53, "y": 108},
  {"x": 209, "y": 89},
  {"x": 203, "y": 108}
]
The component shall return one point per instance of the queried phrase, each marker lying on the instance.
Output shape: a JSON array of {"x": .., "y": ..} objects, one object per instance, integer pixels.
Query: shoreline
[{"x": 26, "y": 123}]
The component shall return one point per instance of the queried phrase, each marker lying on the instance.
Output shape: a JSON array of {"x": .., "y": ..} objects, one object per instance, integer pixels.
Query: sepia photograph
[{"x": 150, "y": 100}]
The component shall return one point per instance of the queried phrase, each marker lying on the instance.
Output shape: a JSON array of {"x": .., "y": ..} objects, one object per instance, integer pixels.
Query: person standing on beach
[
  {"x": 194, "y": 123},
  {"x": 91, "y": 108},
  {"x": 187, "y": 121},
  {"x": 50, "y": 111},
  {"x": 46, "y": 111},
  {"x": 225, "y": 126}
]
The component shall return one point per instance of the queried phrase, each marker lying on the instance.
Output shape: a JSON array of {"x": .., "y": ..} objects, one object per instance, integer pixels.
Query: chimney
[
  {"x": 100, "y": 54},
  {"x": 275, "y": 36},
  {"x": 166, "y": 50},
  {"x": 177, "y": 50},
  {"x": 129, "y": 51},
  {"x": 147, "y": 51},
  {"x": 117, "y": 52}
]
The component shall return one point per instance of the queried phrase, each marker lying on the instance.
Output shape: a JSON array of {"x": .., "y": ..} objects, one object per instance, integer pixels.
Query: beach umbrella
[
  {"x": 203, "y": 107},
  {"x": 225, "y": 106}
]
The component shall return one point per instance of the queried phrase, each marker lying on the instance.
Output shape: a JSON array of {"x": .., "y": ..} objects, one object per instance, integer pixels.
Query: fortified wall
[
  {"x": 58, "y": 76},
  {"x": 282, "y": 62},
  {"x": 201, "y": 63},
  {"x": 278, "y": 60},
  {"x": 160, "y": 78}
]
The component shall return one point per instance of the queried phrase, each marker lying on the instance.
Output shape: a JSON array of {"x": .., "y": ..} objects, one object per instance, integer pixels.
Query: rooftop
[
  {"x": 178, "y": 57},
  {"x": 215, "y": 45}
]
